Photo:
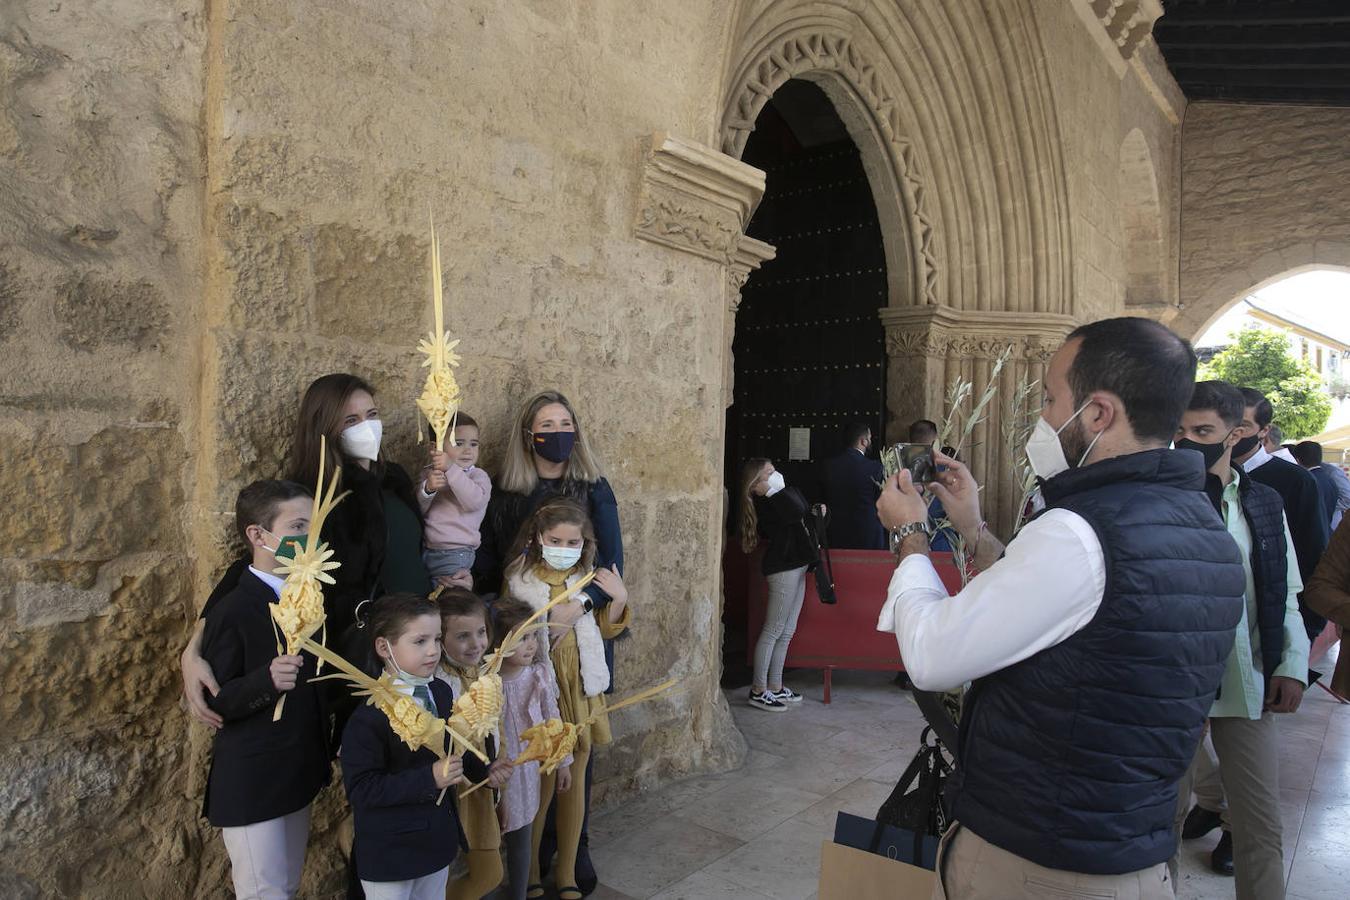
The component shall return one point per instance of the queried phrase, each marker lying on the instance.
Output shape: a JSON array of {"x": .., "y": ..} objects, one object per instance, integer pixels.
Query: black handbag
[
  {"x": 918, "y": 809},
  {"x": 824, "y": 571}
]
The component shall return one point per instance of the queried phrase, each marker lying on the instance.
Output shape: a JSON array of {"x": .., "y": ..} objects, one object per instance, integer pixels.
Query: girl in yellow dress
[{"x": 555, "y": 549}]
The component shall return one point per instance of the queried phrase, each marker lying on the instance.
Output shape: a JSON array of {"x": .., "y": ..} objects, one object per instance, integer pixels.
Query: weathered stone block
[
  {"x": 369, "y": 287},
  {"x": 95, "y": 313}
]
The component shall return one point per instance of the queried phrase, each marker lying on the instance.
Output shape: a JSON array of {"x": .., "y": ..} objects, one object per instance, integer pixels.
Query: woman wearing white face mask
[
  {"x": 376, "y": 531},
  {"x": 778, "y": 513}
]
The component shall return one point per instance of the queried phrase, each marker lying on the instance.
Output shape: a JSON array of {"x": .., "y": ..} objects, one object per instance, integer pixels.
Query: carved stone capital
[
  {"x": 695, "y": 199},
  {"x": 750, "y": 255},
  {"x": 1119, "y": 26},
  {"x": 940, "y": 332}
]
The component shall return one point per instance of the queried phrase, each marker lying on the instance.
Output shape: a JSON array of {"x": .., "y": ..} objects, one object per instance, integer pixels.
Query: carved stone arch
[
  {"x": 864, "y": 99},
  {"x": 1141, "y": 223}
]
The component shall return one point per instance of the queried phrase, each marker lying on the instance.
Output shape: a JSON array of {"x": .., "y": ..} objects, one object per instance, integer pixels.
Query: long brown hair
[
  {"x": 321, "y": 415},
  {"x": 749, "y": 519},
  {"x": 527, "y": 553},
  {"x": 518, "y": 474}
]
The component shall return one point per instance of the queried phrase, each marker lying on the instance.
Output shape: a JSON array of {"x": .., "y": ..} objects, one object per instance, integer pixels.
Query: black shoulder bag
[{"x": 824, "y": 569}]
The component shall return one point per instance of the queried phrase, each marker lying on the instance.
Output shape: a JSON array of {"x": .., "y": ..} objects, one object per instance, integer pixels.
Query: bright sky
[{"x": 1320, "y": 300}]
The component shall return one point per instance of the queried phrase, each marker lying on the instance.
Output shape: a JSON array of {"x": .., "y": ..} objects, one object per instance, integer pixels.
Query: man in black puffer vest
[
  {"x": 1266, "y": 672},
  {"x": 1095, "y": 645}
]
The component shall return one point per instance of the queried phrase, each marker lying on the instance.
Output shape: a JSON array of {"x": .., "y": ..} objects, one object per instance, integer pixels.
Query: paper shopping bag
[{"x": 847, "y": 873}]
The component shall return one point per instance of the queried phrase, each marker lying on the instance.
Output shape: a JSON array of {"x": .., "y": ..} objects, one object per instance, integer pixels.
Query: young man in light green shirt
[{"x": 1256, "y": 684}]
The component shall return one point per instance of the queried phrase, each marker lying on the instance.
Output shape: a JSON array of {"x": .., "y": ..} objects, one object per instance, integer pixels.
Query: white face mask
[
  {"x": 775, "y": 482},
  {"x": 406, "y": 677},
  {"x": 362, "y": 440},
  {"x": 560, "y": 558},
  {"x": 1046, "y": 453}
]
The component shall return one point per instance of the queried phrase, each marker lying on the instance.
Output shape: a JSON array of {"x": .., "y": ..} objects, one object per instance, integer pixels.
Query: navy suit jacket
[
  {"x": 851, "y": 491},
  {"x": 400, "y": 831},
  {"x": 260, "y": 769},
  {"x": 1309, "y": 524}
]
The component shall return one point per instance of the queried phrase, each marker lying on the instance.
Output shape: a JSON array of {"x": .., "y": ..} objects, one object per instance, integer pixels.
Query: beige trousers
[
  {"x": 971, "y": 868},
  {"x": 1249, "y": 763}
]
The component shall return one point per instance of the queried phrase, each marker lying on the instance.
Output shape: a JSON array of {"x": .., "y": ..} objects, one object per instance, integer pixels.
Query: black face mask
[
  {"x": 1211, "y": 452},
  {"x": 1245, "y": 446}
]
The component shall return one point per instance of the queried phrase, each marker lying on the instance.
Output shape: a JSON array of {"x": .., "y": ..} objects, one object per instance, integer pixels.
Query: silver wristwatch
[{"x": 899, "y": 534}]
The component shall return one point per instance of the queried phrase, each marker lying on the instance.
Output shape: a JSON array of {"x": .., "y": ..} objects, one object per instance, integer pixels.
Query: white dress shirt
[
  {"x": 1284, "y": 454},
  {"x": 1047, "y": 587},
  {"x": 274, "y": 582},
  {"x": 1256, "y": 460}
]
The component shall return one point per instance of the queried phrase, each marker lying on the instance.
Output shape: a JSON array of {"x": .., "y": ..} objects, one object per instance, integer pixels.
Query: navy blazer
[
  {"x": 260, "y": 769},
  {"x": 851, "y": 490},
  {"x": 1309, "y": 524},
  {"x": 400, "y": 831}
]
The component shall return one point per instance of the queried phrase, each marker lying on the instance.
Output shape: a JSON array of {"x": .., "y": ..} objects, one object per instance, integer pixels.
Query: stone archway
[
  {"x": 978, "y": 246},
  {"x": 854, "y": 85},
  {"x": 1196, "y": 318}
]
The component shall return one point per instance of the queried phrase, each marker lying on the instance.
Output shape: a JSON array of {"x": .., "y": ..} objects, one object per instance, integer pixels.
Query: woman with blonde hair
[
  {"x": 779, "y": 514},
  {"x": 547, "y": 455}
]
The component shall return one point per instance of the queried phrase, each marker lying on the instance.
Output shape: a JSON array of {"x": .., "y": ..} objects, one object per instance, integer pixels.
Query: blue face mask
[{"x": 554, "y": 446}]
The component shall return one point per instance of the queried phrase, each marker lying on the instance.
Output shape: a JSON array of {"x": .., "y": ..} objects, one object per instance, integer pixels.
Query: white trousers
[
  {"x": 428, "y": 887},
  {"x": 268, "y": 858}
]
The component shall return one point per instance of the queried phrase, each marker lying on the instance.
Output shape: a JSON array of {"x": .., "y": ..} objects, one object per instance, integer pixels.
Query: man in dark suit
[
  {"x": 1332, "y": 483},
  {"x": 852, "y": 482},
  {"x": 1308, "y": 521}
]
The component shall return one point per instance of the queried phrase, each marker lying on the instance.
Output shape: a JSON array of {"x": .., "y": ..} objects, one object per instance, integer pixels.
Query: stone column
[
  {"x": 697, "y": 201},
  {"x": 929, "y": 347}
]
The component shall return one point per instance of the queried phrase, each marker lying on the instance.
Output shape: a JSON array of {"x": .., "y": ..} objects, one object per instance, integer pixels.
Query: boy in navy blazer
[
  {"x": 404, "y": 840},
  {"x": 264, "y": 774}
]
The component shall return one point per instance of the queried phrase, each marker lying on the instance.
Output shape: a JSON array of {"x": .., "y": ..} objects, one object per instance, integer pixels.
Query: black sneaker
[
  {"x": 767, "y": 701},
  {"x": 1200, "y": 822},
  {"x": 787, "y": 695}
]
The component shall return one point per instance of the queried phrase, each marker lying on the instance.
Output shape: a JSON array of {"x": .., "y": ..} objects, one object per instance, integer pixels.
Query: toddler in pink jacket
[{"x": 454, "y": 498}]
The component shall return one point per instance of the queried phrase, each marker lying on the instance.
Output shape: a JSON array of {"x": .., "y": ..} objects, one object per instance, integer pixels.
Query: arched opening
[
  {"x": 1141, "y": 224},
  {"x": 809, "y": 349},
  {"x": 1310, "y": 309}
]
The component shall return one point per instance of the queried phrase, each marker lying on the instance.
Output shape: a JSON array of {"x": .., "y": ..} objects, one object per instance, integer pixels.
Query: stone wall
[
  {"x": 1265, "y": 194},
  {"x": 100, "y": 255}
]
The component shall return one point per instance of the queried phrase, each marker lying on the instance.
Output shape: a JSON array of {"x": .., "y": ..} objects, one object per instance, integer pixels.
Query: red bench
[{"x": 841, "y": 636}]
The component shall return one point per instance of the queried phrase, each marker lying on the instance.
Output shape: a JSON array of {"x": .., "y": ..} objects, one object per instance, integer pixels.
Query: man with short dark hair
[
  {"x": 1095, "y": 643},
  {"x": 1267, "y": 670},
  {"x": 851, "y": 480},
  {"x": 923, "y": 431},
  {"x": 1302, "y": 500},
  {"x": 1332, "y": 484}
]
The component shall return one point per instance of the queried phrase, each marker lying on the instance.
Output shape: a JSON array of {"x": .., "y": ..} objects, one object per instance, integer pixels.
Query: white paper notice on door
[{"x": 799, "y": 443}]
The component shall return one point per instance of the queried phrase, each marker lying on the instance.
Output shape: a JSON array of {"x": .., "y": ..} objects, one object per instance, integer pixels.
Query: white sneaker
[
  {"x": 787, "y": 695},
  {"x": 767, "y": 701}
]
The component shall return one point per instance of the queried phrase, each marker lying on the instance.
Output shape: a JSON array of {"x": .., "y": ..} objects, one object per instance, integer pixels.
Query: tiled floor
[{"x": 756, "y": 833}]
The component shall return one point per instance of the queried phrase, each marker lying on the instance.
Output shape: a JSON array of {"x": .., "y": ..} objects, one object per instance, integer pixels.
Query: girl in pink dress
[{"x": 530, "y": 696}]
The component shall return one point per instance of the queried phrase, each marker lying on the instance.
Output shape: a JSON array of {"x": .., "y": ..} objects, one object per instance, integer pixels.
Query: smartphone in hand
[{"x": 917, "y": 458}]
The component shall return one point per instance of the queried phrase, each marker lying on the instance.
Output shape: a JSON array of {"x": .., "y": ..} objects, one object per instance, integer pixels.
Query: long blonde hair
[
  {"x": 749, "y": 519},
  {"x": 518, "y": 474}
]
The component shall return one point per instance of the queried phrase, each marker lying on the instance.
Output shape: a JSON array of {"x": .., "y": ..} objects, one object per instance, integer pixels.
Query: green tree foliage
[{"x": 1261, "y": 359}]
